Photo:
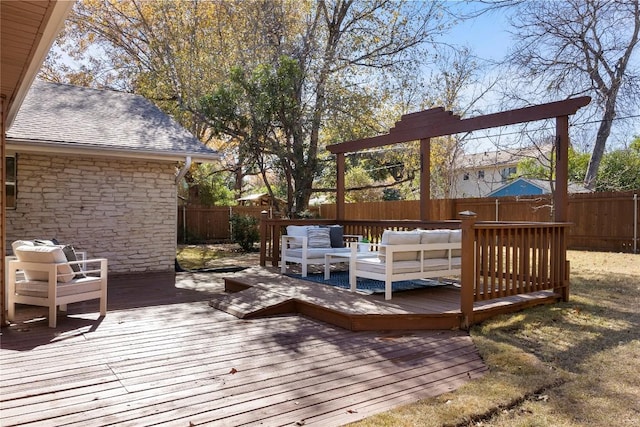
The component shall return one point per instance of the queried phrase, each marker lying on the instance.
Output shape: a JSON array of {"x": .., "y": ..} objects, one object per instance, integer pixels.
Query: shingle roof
[{"x": 72, "y": 116}]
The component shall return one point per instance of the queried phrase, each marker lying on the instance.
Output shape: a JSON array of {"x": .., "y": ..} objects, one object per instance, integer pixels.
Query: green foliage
[
  {"x": 620, "y": 170},
  {"x": 213, "y": 188},
  {"x": 391, "y": 194},
  {"x": 357, "y": 177},
  {"x": 244, "y": 231}
]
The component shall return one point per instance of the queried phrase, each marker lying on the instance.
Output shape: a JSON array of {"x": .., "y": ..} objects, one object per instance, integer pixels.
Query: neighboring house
[
  {"x": 98, "y": 169},
  {"x": 531, "y": 187},
  {"x": 479, "y": 174}
]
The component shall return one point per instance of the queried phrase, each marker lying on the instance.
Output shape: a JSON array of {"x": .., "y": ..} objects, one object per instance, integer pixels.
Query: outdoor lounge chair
[
  {"x": 43, "y": 276},
  {"x": 308, "y": 244}
]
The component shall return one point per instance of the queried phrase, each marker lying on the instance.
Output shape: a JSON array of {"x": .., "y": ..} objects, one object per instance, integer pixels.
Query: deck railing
[
  {"x": 499, "y": 259},
  {"x": 503, "y": 259}
]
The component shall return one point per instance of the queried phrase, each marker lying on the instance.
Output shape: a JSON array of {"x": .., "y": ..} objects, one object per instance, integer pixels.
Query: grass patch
[
  {"x": 200, "y": 256},
  {"x": 567, "y": 364}
]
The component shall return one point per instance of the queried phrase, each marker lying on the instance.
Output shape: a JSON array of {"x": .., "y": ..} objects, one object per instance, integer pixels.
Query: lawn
[{"x": 567, "y": 364}]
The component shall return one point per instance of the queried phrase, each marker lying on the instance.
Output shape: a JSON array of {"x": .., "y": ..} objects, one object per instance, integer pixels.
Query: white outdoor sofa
[
  {"x": 308, "y": 244},
  {"x": 43, "y": 276},
  {"x": 409, "y": 255}
]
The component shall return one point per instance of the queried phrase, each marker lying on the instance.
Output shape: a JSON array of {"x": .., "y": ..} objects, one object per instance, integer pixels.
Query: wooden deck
[
  {"x": 163, "y": 356},
  {"x": 259, "y": 292}
]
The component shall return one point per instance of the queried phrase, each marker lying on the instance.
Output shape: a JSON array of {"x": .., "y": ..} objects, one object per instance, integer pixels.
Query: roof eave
[
  {"x": 43, "y": 147},
  {"x": 46, "y": 36}
]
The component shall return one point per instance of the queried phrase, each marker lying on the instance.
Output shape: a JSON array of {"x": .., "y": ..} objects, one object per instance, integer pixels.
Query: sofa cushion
[
  {"x": 455, "y": 236},
  {"x": 46, "y": 255},
  {"x": 434, "y": 236},
  {"x": 390, "y": 237},
  {"x": 314, "y": 253},
  {"x": 319, "y": 237},
  {"x": 375, "y": 265}
]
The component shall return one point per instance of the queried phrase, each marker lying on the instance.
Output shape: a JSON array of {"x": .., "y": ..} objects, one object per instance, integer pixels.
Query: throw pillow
[
  {"x": 319, "y": 237},
  {"x": 336, "y": 234}
]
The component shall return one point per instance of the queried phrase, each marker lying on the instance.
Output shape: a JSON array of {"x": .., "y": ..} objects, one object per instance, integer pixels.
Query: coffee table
[{"x": 332, "y": 258}]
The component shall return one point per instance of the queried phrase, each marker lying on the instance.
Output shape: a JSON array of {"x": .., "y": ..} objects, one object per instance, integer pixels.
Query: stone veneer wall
[{"x": 119, "y": 209}]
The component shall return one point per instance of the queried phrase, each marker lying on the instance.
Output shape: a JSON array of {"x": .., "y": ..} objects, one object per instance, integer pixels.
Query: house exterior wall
[
  {"x": 481, "y": 181},
  {"x": 123, "y": 210}
]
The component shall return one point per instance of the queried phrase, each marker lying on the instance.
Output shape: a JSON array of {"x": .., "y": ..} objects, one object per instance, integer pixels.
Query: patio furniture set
[{"x": 400, "y": 255}]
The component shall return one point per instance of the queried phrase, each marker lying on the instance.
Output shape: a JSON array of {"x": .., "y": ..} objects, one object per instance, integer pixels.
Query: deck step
[{"x": 253, "y": 302}]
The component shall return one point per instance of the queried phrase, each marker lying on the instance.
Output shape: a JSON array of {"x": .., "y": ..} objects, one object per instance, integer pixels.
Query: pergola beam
[
  {"x": 438, "y": 122},
  {"x": 424, "y": 125}
]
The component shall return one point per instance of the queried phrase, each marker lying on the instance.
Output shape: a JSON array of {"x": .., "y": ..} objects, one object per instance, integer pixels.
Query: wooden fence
[{"x": 600, "y": 221}]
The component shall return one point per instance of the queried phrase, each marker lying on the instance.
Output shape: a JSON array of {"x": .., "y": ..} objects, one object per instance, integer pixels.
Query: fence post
[
  {"x": 467, "y": 276},
  {"x": 263, "y": 238}
]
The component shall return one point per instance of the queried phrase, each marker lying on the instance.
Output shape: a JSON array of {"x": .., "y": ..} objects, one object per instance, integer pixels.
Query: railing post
[
  {"x": 467, "y": 277},
  {"x": 263, "y": 238}
]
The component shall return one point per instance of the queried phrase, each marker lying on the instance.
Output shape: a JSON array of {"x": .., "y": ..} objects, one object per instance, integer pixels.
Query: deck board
[{"x": 163, "y": 356}]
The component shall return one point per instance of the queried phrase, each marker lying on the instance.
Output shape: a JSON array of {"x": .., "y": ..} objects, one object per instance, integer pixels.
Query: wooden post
[
  {"x": 467, "y": 278},
  {"x": 3, "y": 206},
  {"x": 340, "y": 186},
  {"x": 425, "y": 179},
  {"x": 560, "y": 196},
  {"x": 263, "y": 238}
]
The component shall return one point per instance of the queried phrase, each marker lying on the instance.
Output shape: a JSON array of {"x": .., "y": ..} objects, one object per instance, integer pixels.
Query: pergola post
[
  {"x": 425, "y": 179},
  {"x": 560, "y": 196},
  {"x": 339, "y": 186}
]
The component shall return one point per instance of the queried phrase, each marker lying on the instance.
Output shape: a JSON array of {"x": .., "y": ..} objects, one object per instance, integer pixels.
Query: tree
[
  {"x": 177, "y": 52},
  {"x": 620, "y": 170},
  {"x": 344, "y": 44},
  {"x": 581, "y": 47}
]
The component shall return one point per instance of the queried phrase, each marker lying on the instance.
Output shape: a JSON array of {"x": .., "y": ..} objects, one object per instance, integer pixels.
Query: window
[
  {"x": 480, "y": 174},
  {"x": 11, "y": 189},
  {"x": 465, "y": 177},
  {"x": 507, "y": 172}
]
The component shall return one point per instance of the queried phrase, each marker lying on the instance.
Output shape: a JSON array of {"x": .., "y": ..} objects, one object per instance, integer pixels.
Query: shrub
[{"x": 244, "y": 231}]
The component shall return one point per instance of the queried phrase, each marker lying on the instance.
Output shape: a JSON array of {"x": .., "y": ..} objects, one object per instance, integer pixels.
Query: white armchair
[
  {"x": 306, "y": 245},
  {"x": 42, "y": 276}
]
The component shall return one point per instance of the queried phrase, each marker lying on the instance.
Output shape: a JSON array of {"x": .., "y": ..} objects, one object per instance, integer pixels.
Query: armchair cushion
[
  {"x": 296, "y": 231},
  {"x": 44, "y": 255}
]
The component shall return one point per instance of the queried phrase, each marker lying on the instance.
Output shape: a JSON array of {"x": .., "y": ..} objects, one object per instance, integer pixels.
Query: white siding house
[{"x": 479, "y": 174}]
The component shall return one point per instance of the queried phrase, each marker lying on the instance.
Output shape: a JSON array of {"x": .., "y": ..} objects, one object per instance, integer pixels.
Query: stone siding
[{"x": 119, "y": 209}]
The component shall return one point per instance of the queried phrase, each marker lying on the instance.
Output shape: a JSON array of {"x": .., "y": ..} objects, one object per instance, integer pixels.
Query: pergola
[{"x": 427, "y": 124}]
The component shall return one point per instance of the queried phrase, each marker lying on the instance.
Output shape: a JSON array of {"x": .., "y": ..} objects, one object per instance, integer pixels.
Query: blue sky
[{"x": 486, "y": 35}]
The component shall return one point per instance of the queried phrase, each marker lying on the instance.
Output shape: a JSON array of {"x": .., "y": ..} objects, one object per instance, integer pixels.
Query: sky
[{"x": 488, "y": 36}]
